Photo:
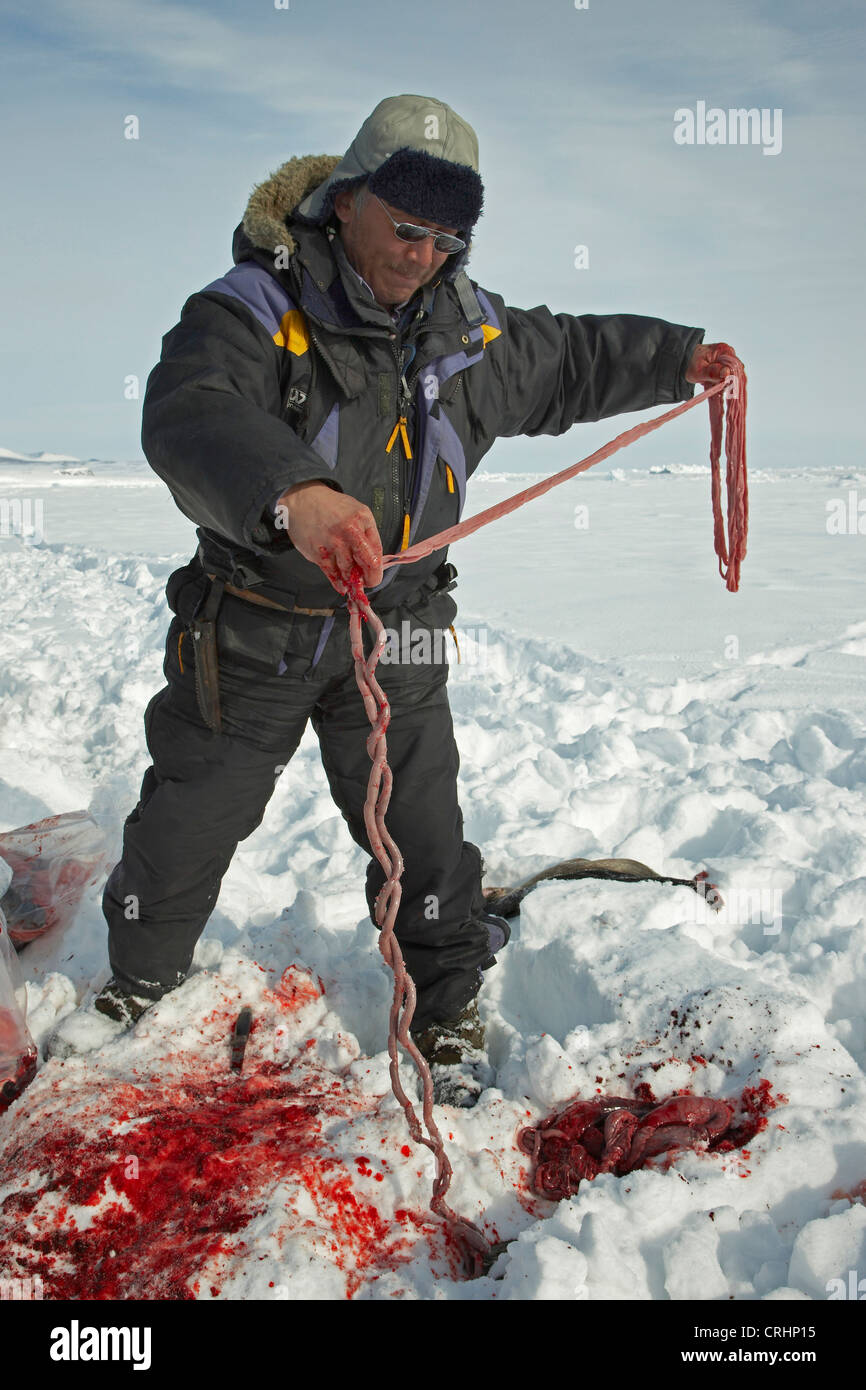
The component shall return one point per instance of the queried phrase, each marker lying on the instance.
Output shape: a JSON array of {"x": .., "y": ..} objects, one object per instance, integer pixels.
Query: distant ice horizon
[{"x": 604, "y": 470}]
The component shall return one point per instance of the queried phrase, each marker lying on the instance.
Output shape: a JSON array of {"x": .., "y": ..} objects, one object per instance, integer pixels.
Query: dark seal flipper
[{"x": 506, "y": 901}]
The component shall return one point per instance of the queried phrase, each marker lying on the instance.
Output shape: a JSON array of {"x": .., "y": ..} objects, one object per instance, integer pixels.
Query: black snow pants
[{"x": 207, "y": 791}]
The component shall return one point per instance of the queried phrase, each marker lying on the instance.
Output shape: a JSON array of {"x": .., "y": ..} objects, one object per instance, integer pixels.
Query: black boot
[
  {"x": 455, "y": 1052},
  {"x": 111, "y": 1013},
  {"x": 115, "y": 1003}
]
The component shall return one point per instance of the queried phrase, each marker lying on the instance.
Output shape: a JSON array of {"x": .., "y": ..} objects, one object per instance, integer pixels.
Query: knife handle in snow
[{"x": 240, "y": 1036}]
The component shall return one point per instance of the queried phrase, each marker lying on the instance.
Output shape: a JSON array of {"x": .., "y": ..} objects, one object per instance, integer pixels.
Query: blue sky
[{"x": 574, "y": 108}]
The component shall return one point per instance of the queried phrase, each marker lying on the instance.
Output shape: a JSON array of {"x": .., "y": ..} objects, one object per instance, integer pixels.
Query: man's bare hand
[
  {"x": 335, "y": 532},
  {"x": 710, "y": 363}
]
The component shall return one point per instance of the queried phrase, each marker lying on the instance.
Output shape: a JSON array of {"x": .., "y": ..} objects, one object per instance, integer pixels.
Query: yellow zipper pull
[
  {"x": 400, "y": 428},
  {"x": 450, "y": 476},
  {"x": 405, "y": 541}
]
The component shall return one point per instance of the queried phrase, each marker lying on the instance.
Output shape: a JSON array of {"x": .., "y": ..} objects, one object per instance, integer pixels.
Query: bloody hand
[
  {"x": 335, "y": 532},
  {"x": 711, "y": 363}
]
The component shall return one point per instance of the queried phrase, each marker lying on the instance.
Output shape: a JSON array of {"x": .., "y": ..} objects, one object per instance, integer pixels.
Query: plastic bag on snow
[
  {"x": 53, "y": 863},
  {"x": 18, "y": 1055}
]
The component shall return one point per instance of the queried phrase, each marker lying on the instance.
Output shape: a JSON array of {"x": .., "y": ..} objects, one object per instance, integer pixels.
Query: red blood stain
[
  {"x": 295, "y": 989},
  {"x": 753, "y": 1107},
  {"x": 202, "y": 1159},
  {"x": 363, "y": 1242},
  {"x": 854, "y": 1194}
]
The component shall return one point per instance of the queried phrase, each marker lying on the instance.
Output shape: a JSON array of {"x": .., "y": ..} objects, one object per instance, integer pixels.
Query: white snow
[
  {"x": 617, "y": 702},
  {"x": 11, "y": 455}
]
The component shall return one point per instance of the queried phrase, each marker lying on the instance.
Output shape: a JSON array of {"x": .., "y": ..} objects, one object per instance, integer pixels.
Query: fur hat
[{"x": 417, "y": 154}]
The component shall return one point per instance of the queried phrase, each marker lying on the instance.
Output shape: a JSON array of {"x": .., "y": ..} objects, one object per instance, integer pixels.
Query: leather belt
[{"x": 252, "y": 597}]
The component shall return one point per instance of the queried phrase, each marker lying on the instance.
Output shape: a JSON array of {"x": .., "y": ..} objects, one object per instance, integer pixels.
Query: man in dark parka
[{"x": 323, "y": 402}]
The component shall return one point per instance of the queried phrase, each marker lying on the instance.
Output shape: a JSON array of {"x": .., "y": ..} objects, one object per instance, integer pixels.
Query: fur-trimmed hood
[
  {"x": 265, "y": 225},
  {"x": 271, "y": 201}
]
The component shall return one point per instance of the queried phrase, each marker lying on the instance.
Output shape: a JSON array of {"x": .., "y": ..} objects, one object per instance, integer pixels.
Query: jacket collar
[{"x": 319, "y": 278}]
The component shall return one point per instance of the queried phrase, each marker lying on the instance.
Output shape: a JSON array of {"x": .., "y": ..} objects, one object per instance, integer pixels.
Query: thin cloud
[{"x": 193, "y": 49}]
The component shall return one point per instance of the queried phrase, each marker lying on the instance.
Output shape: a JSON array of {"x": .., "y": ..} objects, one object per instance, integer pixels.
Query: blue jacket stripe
[
  {"x": 451, "y": 449},
  {"x": 492, "y": 316},
  {"x": 431, "y": 426},
  {"x": 259, "y": 291}
]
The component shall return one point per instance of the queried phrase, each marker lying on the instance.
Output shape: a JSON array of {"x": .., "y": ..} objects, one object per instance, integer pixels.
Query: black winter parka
[{"x": 286, "y": 370}]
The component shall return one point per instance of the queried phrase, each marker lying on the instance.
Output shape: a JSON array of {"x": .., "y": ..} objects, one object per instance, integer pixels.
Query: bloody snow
[
  {"x": 645, "y": 714},
  {"x": 152, "y": 1191}
]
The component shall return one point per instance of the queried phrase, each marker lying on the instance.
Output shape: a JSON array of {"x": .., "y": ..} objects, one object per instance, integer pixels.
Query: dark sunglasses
[{"x": 407, "y": 231}]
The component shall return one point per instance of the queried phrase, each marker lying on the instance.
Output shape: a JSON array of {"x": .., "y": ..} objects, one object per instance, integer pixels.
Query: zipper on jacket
[
  {"x": 400, "y": 433},
  {"x": 410, "y": 384},
  {"x": 407, "y": 386}
]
